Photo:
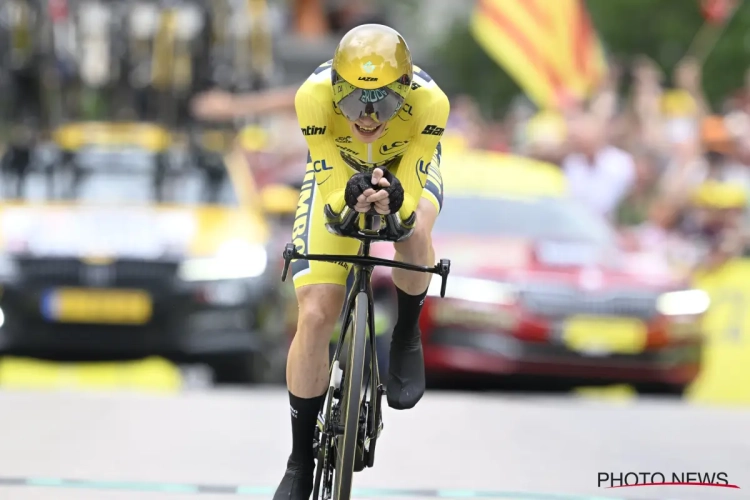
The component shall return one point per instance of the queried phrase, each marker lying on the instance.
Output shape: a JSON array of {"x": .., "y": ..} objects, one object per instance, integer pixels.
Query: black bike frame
[{"x": 362, "y": 283}]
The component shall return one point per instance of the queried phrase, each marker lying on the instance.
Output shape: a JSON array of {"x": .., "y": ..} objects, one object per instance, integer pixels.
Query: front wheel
[{"x": 346, "y": 452}]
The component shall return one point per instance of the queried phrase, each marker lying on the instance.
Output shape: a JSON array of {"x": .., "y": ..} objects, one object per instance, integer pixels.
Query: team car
[
  {"x": 125, "y": 248},
  {"x": 540, "y": 287}
]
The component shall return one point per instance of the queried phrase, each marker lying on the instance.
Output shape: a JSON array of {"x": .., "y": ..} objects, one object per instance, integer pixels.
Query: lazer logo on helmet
[
  {"x": 433, "y": 130},
  {"x": 368, "y": 78},
  {"x": 312, "y": 130}
]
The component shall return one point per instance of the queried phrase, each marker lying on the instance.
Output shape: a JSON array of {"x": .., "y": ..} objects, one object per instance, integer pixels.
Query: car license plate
[
  {"x": 594, "y": 335},
  {"x": 97, "y": 306}
]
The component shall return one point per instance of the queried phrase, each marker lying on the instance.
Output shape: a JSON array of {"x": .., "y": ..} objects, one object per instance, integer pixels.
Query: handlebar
[{"x": 442, "y": 268}]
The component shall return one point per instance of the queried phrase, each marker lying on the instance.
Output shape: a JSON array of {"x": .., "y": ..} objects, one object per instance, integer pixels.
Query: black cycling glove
[
  {"x": 341, "y": 223},
  {"x": 360, "y": 182}
]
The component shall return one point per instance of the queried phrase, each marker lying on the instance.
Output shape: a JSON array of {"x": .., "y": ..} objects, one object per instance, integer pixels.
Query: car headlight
[
  {"x": 234, "y": 260},
  {"x": 683, "y": 303},
  {"x": 475, "y": 290}
]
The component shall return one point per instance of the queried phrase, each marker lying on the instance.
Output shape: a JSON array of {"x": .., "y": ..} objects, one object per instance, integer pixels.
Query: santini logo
[
  {"x": 311, "y": 130},
  {"x": 630, "y": 479},
  {"x": 368, "y": 78}
]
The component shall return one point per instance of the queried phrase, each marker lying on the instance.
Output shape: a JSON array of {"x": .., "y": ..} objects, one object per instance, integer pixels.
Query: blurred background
[{"x": 596, "y": 167}]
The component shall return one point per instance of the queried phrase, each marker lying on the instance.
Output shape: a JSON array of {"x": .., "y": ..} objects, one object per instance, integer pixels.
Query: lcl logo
[{"x": 97, "y": 275}]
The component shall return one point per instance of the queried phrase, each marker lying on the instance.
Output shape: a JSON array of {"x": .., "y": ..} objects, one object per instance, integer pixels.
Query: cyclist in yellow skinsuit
[{"x": 368, "y": 114}]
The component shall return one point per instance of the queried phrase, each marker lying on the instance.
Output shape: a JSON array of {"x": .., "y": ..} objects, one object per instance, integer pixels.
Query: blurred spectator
[
  {"x": 740, "y": 99},
  {"x": 544, "y": 137},
  {"x": 599, "y": 174},
  {"x": 688, "y": 76},
  {"x": 715, "y": 222},
  {"x": 606, "y": 103},
  {"x": 694, "y": 161},
  {"x": 309, "y": 18},
  {"x": 346, "y": 14},
  {"x": 660, "y": 235},
  {"x": 635, "y": 207},
  {"x": 520, "y": 112},
  {"x": 466, "y": 120},
  {"x": 218, "y": 105},
  {"x": 645, "y": 127},
  {"x": 659, "y": 227}
]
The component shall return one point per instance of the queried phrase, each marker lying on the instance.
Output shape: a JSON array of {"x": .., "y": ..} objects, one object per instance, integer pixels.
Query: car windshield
[
  {"x": 130, "y": 177},
  {"x": 535, "y": 218}
]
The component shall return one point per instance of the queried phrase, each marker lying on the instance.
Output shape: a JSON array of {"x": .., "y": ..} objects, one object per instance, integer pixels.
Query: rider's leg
[
  {"x": 406, "y": 381},
  {"x": 320, "y": 296},
  {"x": 406, "y": 377},
  {"x": 307, "y": 363},
  {"x": 307, "y": 380},
  {"x": 417, "y": 250}
]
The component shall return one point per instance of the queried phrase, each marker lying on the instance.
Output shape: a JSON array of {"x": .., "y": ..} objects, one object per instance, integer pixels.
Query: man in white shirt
[{"x": 599, "y": 175}]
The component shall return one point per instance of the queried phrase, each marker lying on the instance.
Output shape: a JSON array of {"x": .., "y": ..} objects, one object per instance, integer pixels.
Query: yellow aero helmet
[{"x": 371, "y": 73}]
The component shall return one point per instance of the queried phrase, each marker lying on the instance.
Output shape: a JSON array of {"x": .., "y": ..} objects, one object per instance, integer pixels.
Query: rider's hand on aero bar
[{"x": 362, "y": 196}]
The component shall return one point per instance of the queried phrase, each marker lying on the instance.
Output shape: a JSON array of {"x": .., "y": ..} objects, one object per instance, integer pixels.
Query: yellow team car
[{"x": 126, "y": 248}]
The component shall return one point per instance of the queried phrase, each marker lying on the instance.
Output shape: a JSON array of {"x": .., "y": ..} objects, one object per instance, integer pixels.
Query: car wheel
[{"x": 657, "y": 389}]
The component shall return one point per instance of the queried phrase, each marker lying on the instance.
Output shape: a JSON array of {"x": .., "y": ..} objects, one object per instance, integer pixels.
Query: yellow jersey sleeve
[
  {"x": 428, "y": 129},
  {"x": 331, "y": 173}
]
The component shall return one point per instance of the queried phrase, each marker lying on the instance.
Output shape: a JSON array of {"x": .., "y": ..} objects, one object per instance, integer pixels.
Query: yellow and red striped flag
[{"x": 549, "y": 47}]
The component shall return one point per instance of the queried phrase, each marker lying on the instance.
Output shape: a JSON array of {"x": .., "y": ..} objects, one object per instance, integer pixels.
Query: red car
[{"x": 540, "y": 287}]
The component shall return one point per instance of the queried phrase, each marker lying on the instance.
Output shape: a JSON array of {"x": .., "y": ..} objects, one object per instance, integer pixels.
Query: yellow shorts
[{"x": 310, "y": 235}]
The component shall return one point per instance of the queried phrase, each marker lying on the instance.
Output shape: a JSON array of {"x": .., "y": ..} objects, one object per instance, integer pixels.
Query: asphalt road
[{"x": 152, "y": 447}]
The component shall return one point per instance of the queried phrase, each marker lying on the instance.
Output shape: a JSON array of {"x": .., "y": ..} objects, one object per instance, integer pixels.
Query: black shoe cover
[
  {"x": 406, "y": 379},
  {"x": 297, "y": 483}
]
